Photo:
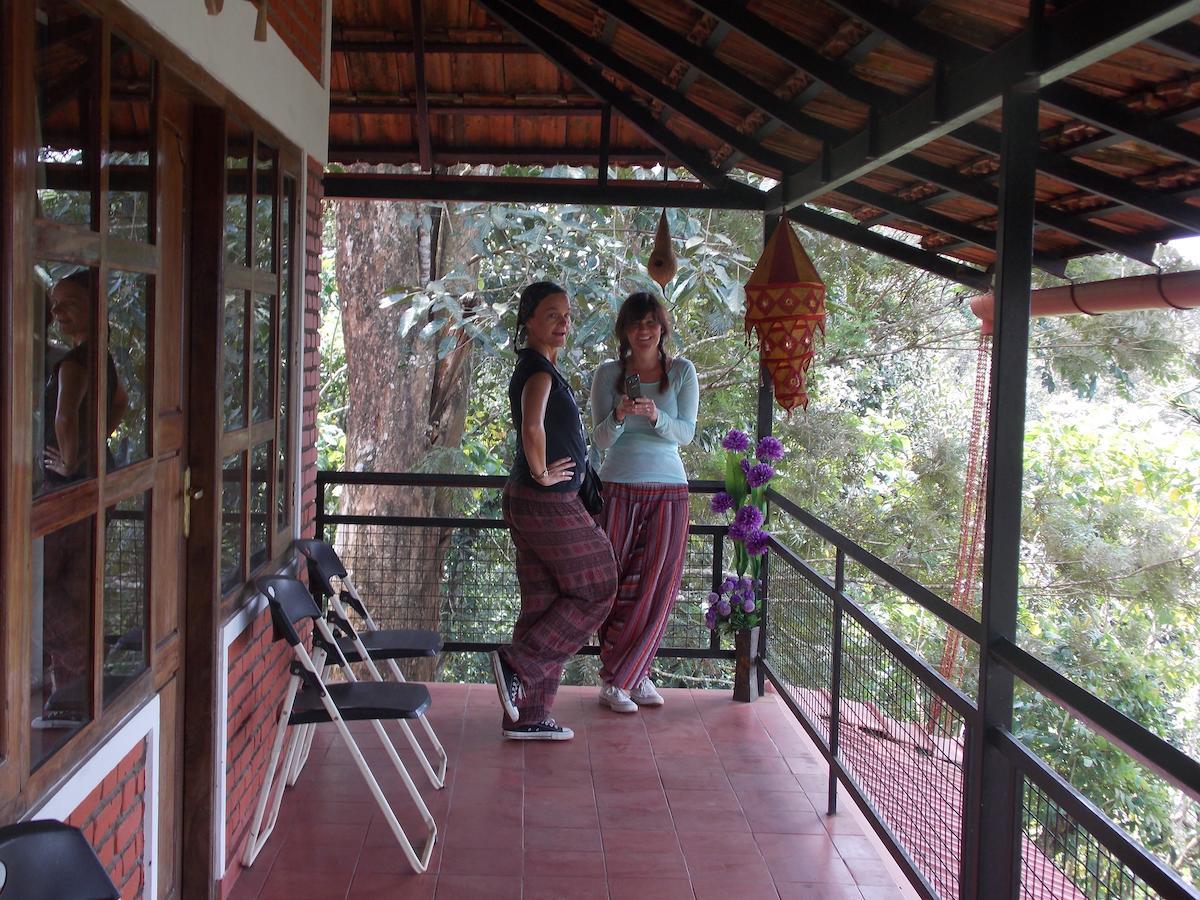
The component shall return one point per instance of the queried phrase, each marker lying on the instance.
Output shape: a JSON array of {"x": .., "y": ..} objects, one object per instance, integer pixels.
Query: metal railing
[{"x": 899, "y": 738}]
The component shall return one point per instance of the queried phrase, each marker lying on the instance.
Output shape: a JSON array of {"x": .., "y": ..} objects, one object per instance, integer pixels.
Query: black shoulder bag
[{"x": 590, "y": 493}]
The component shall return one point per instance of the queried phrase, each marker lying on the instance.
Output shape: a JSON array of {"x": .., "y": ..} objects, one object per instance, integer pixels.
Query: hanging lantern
[
  {"x": 662, "y": 265},
  {"x": 785, "y": 305}
]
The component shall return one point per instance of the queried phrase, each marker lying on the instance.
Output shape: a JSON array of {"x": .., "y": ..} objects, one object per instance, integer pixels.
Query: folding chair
[
  {"x": 49, "y": 860},
  {"x": 310, "y": 700},
  {"x": 369, "y": 645}
]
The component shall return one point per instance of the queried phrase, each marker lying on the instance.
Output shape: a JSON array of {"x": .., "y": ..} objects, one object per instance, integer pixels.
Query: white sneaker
[
  {"x": 616, "y": 699},
  {"x": 645, "y": 694}
]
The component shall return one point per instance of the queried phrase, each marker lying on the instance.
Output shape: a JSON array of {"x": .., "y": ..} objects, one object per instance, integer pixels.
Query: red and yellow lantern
[{"x": 785, "y": 305}]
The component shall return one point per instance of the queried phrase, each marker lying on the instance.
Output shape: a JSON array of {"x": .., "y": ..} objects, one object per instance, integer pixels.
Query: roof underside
[{"x": 888, "y": 112}]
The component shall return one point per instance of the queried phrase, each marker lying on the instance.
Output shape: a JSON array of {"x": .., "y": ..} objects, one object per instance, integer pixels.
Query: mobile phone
[{"x": 633, "y": 386}]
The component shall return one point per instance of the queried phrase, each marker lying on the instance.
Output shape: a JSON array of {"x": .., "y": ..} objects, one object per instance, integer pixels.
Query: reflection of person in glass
[{"x": 67, "y": 440}]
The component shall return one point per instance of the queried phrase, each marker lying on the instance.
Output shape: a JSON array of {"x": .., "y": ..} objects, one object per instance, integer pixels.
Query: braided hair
[
  {"x": 531, "y": 297},
  {"x": 635, "y": 308}
]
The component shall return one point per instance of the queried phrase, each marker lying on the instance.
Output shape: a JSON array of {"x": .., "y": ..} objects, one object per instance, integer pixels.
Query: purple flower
[
  {"x": 745, "y": 466},
  {"x": 723, "y": 608},
  {"x": 713, "y": 597},
  {"x": 738, "y": 532},
  {"x": 759, "y": 474},
  {"x": 728, "y": 584},
  {"x": 721, "y": 502},
  {"x": 748, "y": 517},
  {"x": 769, "y": 449},
  {"x": 737, "y": 441},
  {"x": 748, "y": 603},
  {"x": 710, "y": 618},
  {"x": 756, "y": 543},
  {"x": 746, "y": 582}
]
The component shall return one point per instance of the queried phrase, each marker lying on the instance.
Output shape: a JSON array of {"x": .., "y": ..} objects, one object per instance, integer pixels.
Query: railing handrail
[{"x": 432, "y": 479}]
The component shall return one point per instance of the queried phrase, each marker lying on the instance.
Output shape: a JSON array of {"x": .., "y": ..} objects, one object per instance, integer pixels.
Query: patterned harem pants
[
  {"x": 648, "y": 527},
  {"x": 568, "y": 579}
]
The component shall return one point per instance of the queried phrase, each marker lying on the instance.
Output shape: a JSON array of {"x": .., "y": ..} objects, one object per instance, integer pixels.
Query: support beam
[
  {"x": 1110, "y": 116},
  {"x": 914, "y": 212},
  {"x": 424, "y": 143},
  {"x": 605, "y": 140},
  {"x": 1183, "y": 40},
  {"x": 891, "y": 248},
  {"x": 993, "y": 801},
  {"x": 1119, "y": 190},
  {"x": 360, "y": 108},
  {"x": 600, "y": 87},
  {"x": 480, "y": 189},
  {"x": 404, "y": 45},
  {"x": 1072, "y": 40},
  {"x": 723, "y": 74},
  {"x": 664, "y": 94},
  {"x": 525, "y": 156},
  {"x": 824, "y": 71}
]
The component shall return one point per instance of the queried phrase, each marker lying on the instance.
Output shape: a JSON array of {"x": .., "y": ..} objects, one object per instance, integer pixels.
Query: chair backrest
[
  {"x": 323, "y": 564},
  {"x": 290, "y": 603},
  {"x": 48, "y": 860}
]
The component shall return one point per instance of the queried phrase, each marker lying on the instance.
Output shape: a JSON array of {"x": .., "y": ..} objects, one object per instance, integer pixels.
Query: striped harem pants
[
  {"x": 568, "y": 579},
  {"x": 648, "y": 527}
]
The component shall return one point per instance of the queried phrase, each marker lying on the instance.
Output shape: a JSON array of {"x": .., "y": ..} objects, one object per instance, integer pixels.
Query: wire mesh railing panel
[
  {"x": 1062, "y": 860},
  {"x": 461, "y": 581},
  {"x": 904, "y": 748},
  {"x": 800, "y": 642}
]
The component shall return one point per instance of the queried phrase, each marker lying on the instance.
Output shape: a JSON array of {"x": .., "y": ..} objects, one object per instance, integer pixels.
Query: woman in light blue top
[{"x": 643, "y": 409}]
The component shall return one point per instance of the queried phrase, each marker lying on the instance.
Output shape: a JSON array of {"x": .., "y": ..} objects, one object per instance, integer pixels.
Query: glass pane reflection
[
  {"x": 128, "y": 351},
  {"x": 231, "y": 522},
  {"x": 282, "y": 506},
  {"x": 262, "y": 330},
  {"x": 130, "y": 123},
  {"x": 237, "y": 189},
  {"x": 60, "y": 678},
  {"x": 125, "y": 578},
  {"x": 66, "y": 71},
  {"x": 234, "y": 388},
  {"x": 260, "y": 475},
  {"x": 64, "y": 376},
  {"x": 264, "y": 209}
]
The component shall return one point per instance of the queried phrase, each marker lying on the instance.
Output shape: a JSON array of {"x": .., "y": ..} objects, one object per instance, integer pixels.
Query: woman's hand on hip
[{"x": 556, "y": 472}]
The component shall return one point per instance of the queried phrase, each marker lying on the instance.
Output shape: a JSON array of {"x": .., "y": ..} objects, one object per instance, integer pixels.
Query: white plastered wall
[{"x": 265, "y": 76}]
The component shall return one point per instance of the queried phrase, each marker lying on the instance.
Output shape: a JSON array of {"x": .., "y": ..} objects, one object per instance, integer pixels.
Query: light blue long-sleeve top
[{"x": 637, "y": 452}]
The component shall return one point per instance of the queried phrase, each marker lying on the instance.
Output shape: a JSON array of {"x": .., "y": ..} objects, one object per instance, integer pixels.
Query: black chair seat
[
  {"x": 362, "y": 700},
  {"x": 47, "y": 860},
  {"x": 400, "y": 643}
]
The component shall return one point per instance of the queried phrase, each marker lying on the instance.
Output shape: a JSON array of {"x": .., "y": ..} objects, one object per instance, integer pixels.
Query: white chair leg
[
  {"x": 258, "y": 834},
  {"x": 438, "y": 779}
]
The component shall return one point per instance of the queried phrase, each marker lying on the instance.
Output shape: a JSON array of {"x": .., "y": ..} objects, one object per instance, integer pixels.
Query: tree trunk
[{"x": 404, "y": 403}]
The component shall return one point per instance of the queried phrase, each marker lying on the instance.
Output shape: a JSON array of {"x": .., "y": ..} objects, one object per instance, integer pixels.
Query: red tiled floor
[{"x": 700, "y": 798}]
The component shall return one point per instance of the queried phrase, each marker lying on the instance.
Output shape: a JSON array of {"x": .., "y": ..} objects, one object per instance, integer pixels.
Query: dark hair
[
  {"x": 531, "y": 298},
  {"x": 635, "y": 308},
  {"x": 80, "y": 277}
]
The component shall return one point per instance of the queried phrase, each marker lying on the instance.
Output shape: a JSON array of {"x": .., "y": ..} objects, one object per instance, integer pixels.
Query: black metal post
[
  {"x": 319, "y": 523},
  {"x": 764, "y": 424},
  {"x": 990, "y": 836},
  {"x": 835, "y": 680},
  {"x": 718, "y": 566}
]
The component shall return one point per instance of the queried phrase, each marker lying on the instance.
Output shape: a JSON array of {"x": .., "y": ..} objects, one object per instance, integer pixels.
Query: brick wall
[
  {"x": 258, "y": 668},
  {"x": 112, "y": 819},
  {"x": 299, "y": 24}
]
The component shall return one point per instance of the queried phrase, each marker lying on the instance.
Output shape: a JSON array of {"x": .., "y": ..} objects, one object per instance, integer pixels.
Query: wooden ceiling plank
[
  {"x": 424, "y": 143},
  {"x": 1115, "y": 118},
  {"x": 1070, "y": 41},
  {"x": 1120, "y": 190},
  {"x": 823, "y": 71},
  {"x": 903, "y": 30}
]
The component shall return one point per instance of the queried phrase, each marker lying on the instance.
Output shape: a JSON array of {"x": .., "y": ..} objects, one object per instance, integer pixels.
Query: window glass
[
  {"x": 130, "y": 143},
  {"x": 260, "y": 477},
  {"x": 234, "y": 385},
  {"x": 237, "y": 190},
  {"x": 263, "y": 325},
  {"x": 264, "y": 209},
  {"x": 60, "y": 680},
  {"x": 128, "y": 350},
  {"x": 65, "y": 375},
  {"x": 231, "y": 522},
  {"x": 66, "y": 75},
  {"x": 125, "y": 577},
  {"x": 283, "y": 443}
]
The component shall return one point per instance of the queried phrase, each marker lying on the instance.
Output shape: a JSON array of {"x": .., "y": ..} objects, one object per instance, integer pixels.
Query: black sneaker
[
  {"x": 545, "y": 730},
  {"x": 508, "y": 685}
]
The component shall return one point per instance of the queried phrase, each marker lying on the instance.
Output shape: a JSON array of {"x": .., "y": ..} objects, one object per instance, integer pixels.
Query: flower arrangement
[{"x": 734, "y": 605}]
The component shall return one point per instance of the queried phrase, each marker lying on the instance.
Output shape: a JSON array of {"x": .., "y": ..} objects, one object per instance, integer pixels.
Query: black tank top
[{"x": 563, "y": 424}]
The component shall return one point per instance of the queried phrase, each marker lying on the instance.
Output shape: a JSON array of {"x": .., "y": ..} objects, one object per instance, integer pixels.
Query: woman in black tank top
[{"x": 565, "y": 563}]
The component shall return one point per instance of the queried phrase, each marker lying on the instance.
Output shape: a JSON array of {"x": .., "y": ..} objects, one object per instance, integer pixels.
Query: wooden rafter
[{"x": 424, "y": 142}]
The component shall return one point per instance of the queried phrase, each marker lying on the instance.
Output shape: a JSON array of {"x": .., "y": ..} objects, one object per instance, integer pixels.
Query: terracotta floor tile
[
  {"x": 798, "y": 891},
  {"x": 560, "y": 888},
  {"x": 582, "y": 864},
  {"x": 784, "y": 821},
  {"x": 644, "y": 888},
  {"x": 869, "y": 872},
  {"x": 702, "y": 800},
  {"x": 725, "y": 888},
  {"x": 647, "y": 865},
  {"x": 377, "y": 886},
  {"x": 764, "y": 782},
  {"x": 624, "y": 840},
  {"x": 853, "y": 846},
  {"x": 562, "y": 817},
  {"x": 308, "y": 884},
  {"x": 477, "y": 887},
  {"x": 582, "y": 839},
  {"x": 873, "y": 892},
  {"x": 475, "y": 861}
]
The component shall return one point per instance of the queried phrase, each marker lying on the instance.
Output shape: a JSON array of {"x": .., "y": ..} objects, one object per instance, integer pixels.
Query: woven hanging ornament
[
  {"x": 785, "y": 305},
  {"x": 662, "y": 265}
]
